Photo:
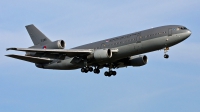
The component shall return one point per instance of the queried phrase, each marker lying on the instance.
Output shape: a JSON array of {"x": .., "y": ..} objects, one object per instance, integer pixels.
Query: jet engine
[
  {"x": 59, "y": 44},
  {"x": 139, "y": 60},
  {"x": 101, "y": 54}
]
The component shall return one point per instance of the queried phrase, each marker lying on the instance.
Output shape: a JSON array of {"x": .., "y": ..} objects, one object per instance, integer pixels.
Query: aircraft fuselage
[{"x": 130, "y": 45}]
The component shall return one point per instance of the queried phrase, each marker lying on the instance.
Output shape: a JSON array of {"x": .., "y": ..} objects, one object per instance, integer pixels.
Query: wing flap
[{"x": 30, "y": 59}]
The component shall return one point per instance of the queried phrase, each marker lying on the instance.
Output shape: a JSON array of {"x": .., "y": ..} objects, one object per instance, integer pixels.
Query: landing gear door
[{"x": 170, "y": 32}]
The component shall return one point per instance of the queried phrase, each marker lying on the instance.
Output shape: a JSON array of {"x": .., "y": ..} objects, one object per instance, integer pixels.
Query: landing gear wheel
[
  {"x": 97, "y": 71},
  {"x": 110, "y": 72},
  {"x": 114, "y": 73},
  {"x": 86, "y": 71},
  {"x": 87, "y": 68},
  {"x": 106, "y": 73},
  {"x": 90, "y": 69},
  {"x": 82, "y": 69},
  {"x": 166, "y": 56}
]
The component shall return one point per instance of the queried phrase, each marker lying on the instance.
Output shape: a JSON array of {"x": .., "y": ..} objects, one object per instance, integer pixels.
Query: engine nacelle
[
  {"x": 59, "y": 44},
  {"x": 139, "y": 60},
  {"x": 101, "y": 54}
]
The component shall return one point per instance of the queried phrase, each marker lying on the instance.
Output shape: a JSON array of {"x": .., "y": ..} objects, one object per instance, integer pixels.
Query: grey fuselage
[{"x": 131, "y": 44}]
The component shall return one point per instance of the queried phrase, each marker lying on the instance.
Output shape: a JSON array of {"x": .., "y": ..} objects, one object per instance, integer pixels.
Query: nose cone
[
  {"x": 188, "y": 33},
  {"x": 181, "y": 36}
]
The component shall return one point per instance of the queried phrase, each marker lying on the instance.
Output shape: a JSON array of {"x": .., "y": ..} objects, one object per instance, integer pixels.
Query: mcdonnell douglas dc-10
[{"x": 117, "y": 52}]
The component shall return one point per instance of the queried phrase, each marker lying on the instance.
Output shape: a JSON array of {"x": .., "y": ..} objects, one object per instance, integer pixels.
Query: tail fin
[{"x": 37, "y": 36}]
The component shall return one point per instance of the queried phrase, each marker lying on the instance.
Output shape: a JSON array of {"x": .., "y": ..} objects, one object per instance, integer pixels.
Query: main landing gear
[
  {"x": 90, "y": 69},
  {"x": 86, "y": 69},
  {"x": 165, "y": 51},
  {"x": 110, "y": 72},
  {"x": 96, "y": 71}
]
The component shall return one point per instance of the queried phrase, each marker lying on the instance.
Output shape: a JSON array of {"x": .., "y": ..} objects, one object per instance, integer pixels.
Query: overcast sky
[{"x": 163, "y": 85}]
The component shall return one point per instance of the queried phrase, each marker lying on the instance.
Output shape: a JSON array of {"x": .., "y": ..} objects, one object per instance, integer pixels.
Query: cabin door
[{"x": 170, "y": 32}]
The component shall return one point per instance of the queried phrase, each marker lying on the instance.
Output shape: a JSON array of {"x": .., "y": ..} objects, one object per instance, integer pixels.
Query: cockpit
[{"x": 181, "y": 28}]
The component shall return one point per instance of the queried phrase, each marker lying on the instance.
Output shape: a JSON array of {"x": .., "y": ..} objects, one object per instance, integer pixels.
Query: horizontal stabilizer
[{"x": 30, "y": 58}]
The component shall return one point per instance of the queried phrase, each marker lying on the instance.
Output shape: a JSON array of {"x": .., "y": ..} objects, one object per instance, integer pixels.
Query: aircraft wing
[
  {"x": 69, "y": 53},
  {"x": 66, "y": 52},
  {"x": 30, "y": 58}
]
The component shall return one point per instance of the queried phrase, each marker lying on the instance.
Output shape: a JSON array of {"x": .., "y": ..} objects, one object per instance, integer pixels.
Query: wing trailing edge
[{"x": 30, "y": 58}]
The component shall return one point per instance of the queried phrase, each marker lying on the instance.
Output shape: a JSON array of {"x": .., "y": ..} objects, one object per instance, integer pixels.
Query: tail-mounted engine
[{"x": 59, "y": 44}]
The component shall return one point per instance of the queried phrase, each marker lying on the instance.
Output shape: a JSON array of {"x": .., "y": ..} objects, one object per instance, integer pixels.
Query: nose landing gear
[
  {"x": 166, "y": 56},
  {"x": 165, "y": 51}
]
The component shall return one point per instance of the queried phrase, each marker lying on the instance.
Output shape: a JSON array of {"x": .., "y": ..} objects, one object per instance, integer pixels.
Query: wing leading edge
[
  {"x": 69, "y": 53},
  {"x": 66, "y": 52}
]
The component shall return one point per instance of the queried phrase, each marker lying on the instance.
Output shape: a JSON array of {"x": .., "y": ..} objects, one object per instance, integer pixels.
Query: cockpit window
[{"x": 181, "y": 28}]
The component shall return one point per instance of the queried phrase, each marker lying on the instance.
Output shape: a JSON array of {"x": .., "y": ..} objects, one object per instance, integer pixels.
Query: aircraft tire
[
  {"x": 86, "y": 71},
  {"x": 96, "y": 71},
  {"x": 90, "y": 69},
  {"x": 82, "y": 69},
  {"x": 166, "y": 56},
  {"x": 114, "y": 73},
  {"x": 106, "y": 73},
  {"x": 87, "y": 68}
]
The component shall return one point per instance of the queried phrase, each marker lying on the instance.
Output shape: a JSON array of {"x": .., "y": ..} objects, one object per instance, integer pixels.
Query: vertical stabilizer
[{"x": 37, "y": 36}]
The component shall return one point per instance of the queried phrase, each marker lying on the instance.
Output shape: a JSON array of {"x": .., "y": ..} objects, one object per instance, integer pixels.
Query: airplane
[{"x": 112, "y": 53}]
